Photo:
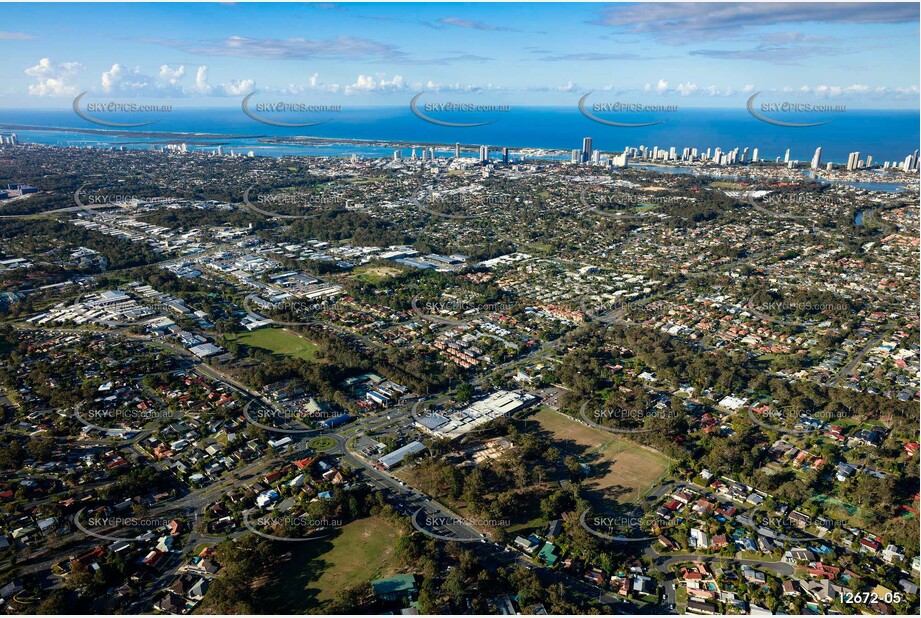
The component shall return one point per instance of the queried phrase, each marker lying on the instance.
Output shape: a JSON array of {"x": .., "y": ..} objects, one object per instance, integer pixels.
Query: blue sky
[{"x": 695, "y": 55}]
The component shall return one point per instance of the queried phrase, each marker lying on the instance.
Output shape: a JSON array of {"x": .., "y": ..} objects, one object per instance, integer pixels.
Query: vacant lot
[
  {"x": 361, "y": 552},
  {"x": 622, "y": 471},
  {"x": 279, "y": 341}
]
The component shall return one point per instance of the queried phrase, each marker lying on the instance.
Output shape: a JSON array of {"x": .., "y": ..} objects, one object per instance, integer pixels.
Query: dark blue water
[{"x": 886, "y": 135}]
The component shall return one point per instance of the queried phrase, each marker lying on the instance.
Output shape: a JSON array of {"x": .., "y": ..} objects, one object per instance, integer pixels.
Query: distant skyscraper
[
  {"x": 397, "y": 155},
  {"x": 853, "y": 160},
  {"x": 869, "y": 161},
  {"x": 457, "y": 150},
  {"x": 484, "y": 153},
  {"x": 505, "y": 155},
  {"x": 755, "y": 155},
  {"x": 786, "y": 156},
  {"x": 817, "y": 158},
  {"x": 596, "y": 157},
  {"x": 586, "y": 148},
  {"x": 220, "y": 150},
  {"x": 576, "y": 155}
]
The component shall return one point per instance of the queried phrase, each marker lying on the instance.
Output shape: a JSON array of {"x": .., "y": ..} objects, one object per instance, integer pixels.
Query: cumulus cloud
[
  {"x": 235, "y": 87},
  {"x": 54, "y": 79},
  {"x": 370, "y": 84}
]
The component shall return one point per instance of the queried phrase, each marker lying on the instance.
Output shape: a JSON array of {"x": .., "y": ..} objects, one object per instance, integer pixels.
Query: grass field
[
  {"x": 279, "y": 341},
  {"x": 375, "y": 274},
  {"x": 322, "y": 443},
  {"x": 363, "y": 551},
  {"x": 622, "y": 471}
]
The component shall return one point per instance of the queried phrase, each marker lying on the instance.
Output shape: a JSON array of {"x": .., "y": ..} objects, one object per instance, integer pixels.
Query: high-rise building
[
  {"x": 586, "y": 148},
  {"x": 869, "y": 161},
  {"x": 755, "y": 155},
  {"x": 618, "y": 160},
  {"x": 457, "y": 150},
  {"x": 596, "y": 157},
  {"x": 576, "y": 155},
  {"x": 397, "y": 155},
  {"x": 786, "y": 156},
  {"x": 484, "y": 153},
  {"x": 853, "y": 160},
  {"x": 505, "y": 155},
  {"x": 828, "y": 166},
  {"x": 817, "y": 158}
]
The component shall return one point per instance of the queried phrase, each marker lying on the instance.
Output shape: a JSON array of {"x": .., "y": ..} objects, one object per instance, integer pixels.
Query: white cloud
[
  {"x": 370, "y": 84},
  {"x": 53, "y": 78}
]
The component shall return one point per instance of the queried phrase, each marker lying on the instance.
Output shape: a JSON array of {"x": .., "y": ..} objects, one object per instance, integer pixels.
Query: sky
[{"x": 863, "y": 55}]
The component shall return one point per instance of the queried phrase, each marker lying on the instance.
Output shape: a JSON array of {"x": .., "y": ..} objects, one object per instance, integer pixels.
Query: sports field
[
  {"x": 279, "y": 341},
  {"x": 622, "y": 471},
  {"x": 363, "y": 551}
]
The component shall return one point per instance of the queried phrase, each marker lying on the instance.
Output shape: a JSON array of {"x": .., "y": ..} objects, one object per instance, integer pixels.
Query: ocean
[{"x": 886, "y": 135}]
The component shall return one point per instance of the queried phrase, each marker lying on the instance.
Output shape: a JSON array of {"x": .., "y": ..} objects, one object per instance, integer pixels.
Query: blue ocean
[{"x": 886, "y": 135}]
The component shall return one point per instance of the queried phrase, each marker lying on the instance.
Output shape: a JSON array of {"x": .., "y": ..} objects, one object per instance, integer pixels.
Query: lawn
[
  {"x": 622, "y": 471},
  {"x": 363, "y": 551},
  {"x": 280, "y": 341},
  {"x": 322, "y": 443},
  {"x": 375, "y": 274}
]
